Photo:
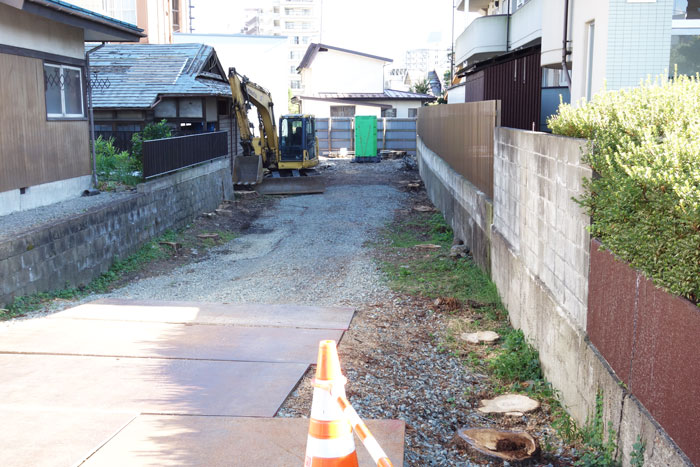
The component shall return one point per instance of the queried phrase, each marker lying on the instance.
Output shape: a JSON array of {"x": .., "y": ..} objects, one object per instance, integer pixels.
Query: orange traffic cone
[{"x": 330, "y": 442}]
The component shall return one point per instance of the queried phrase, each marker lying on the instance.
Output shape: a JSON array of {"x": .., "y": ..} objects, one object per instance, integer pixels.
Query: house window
[
  {"x": 413, "y": 112},
  {"x": 176, "y": 15},
  {"x": 295, "y": 84},
  {"x": 590, "y": 43},
  {"x": 64, "y": 91},
  {"x": 342, "y": 111},
  {"x": 293, "y": 69},
  {"x": 389, "y": 113}
]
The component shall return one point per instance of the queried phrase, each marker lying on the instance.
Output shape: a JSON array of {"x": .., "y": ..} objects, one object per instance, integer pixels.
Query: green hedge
[{"x": 645, "y": 197}]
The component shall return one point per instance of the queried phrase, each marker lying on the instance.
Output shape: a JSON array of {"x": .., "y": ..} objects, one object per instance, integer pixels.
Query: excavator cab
[{"x": 298, "y": 147}]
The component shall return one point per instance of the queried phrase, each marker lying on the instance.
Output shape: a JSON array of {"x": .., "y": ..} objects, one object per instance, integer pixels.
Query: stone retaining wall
[
  {"x": 74, "y": 251},
  {"x": 467, "y": 209},
  {"x": 538, "y": 248}
]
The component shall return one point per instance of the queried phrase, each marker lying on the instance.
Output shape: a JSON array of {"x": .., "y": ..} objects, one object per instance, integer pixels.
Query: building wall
[
  {"x": 76, "y": 250},
  {"x": 553, "y": 32},
  {"x": 584, "y": 13},
  {"x": 639, "y": 41},
  {"x": 322, "y": 109},
  {"x": 21, "y": 29},
  {"x": 335, "y": 71},
  {"x": 36, "y": 151}
]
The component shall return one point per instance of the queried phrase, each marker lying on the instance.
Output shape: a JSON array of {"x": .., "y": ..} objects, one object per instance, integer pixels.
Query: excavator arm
[{"x": 246, "y": 93}]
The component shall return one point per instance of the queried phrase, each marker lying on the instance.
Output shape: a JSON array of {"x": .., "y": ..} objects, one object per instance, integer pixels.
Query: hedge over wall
[{"x": 645, "y": 197}]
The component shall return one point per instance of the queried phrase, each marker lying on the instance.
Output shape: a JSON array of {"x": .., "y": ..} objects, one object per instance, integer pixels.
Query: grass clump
[
  {"x": 518, "y": 361},
  {"x": 645, "y": 198}
]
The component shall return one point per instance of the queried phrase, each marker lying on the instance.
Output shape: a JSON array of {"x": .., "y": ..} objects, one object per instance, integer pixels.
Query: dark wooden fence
[
  {"x": 462, "y": 135},
  {"x": 161, "y": 156},
  {"x": 122, "y": 138}
]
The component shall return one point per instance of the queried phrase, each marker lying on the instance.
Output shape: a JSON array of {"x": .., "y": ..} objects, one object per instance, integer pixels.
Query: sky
[{"x": 380, "y": 27}]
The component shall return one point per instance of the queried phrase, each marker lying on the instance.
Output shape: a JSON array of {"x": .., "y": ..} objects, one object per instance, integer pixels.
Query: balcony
[
  {"x": 485, "y": 37},
  {"x": 526, "y": 24}
]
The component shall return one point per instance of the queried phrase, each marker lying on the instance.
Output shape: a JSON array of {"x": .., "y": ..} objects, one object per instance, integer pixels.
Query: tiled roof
[{"x": 139, "y": 74}]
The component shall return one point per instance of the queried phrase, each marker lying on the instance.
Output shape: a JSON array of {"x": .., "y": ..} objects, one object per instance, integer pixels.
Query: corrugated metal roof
[
  {"x": 59, "y": 4},
  {"x": 387, "y": 94},
  {"x": 140, "y": 73}
]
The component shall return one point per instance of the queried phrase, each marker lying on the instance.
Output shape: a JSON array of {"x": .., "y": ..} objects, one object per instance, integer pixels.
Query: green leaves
[{"x": 645, "y": 204}]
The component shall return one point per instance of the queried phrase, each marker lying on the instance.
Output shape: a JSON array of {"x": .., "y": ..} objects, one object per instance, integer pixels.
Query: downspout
[
  {"x": 94, "y": 190},
  {"x": 564, "y": 51},
  {"x": 508, "y": 28}
]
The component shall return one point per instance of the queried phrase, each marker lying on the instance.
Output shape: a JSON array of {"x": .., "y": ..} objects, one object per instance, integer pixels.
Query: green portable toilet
[{"x": 366, "y": 138}]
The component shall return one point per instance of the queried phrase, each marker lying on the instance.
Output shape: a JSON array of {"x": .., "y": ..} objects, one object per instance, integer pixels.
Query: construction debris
[
  {"x": 510, "y": 446},
  {"x": 509, "y": 403},
  {"x": 212, "y": 236},
  {"x": 174, "y": 245},
  {"x": 459, "y": 251},
  {"x": 487, "y": 337},
  {"x": 427, "y": 246}
]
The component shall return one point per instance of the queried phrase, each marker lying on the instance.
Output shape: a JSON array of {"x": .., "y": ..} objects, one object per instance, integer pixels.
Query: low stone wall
[
  {"x": 74, "y": 251},
  {"x": 465, "y": 207}
]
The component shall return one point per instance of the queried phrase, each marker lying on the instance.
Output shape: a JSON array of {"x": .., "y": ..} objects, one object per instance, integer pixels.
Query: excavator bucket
[
  {"x": 292, "y": 185},
  {"x": 247, "y": 170}
]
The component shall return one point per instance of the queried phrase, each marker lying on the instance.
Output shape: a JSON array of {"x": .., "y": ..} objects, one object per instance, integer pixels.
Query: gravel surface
[
  {"x": 16, "y": 223},
  {"x": 305, "y": 250}
]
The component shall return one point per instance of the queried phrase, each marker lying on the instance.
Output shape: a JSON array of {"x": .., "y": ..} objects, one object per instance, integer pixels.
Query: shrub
[
  {"x": 645, "y": 196},
  {"x": 151, "y": 131},
  {"x": 114, "y": 165}
]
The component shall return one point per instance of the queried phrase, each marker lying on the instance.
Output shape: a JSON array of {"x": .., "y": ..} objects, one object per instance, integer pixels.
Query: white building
[
  {"x": 610, "y": 43},
  {"x": 422, "y": 61},
  {"x": 342, "y": 83},
  {"x": 298, "y": 20},
  {"x": 261, "y": 58}
]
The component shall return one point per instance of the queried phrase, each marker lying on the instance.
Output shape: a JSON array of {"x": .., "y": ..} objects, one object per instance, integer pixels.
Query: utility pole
[{"x": 452, "y": 44}]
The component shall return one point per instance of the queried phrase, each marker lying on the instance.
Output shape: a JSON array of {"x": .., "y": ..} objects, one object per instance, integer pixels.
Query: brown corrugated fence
[{"x": 462, "y": 135}]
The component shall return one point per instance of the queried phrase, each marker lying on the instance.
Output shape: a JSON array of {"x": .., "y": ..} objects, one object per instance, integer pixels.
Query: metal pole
[
  {"x": 564, "y": 52},
  {"x": 91, "y": 114},
  {"x": 452, "y": 44}
]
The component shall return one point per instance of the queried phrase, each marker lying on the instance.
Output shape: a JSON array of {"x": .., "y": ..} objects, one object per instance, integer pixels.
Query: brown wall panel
[
  {"x": 462, "y": 134},
  {"x": 517, "y": 83},
  {"x": 34, "y": 150},
  {"x": 650, "y": 338}
]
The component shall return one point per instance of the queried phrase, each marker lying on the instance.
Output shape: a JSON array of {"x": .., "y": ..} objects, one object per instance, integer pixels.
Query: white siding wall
[
  {"x": 21, "y": 29},
  {"x": 335, "y": 71}
]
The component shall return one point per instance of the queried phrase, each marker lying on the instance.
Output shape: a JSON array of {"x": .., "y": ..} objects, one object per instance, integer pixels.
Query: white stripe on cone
[{"x": 330, "y": 448}]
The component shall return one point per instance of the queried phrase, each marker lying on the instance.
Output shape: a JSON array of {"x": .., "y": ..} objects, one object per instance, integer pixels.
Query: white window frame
[
  {"x": 63, "y": 93},
  {"x": 590, "y": 48}
]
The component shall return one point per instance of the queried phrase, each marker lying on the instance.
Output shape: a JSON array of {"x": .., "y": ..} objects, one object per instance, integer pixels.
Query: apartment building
[
  {"x": 159, "y": 19},
  {"x": 420, "y": 62},
  {"x": 298, "y": 20},
  {"x": 514, "y": 50}
]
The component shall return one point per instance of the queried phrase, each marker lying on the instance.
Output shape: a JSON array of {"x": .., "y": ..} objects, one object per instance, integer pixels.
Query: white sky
[{"x": 379, "y": 27}]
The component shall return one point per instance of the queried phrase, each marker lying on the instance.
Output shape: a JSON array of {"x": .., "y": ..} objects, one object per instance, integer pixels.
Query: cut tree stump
[
  {"x": 427, "y": 246},
  {"x": 508, "y": 403},
  {"x": 205, "y": 236},
  {"x": 174, "y": 245},
  {"x": 511, "y": 446}
]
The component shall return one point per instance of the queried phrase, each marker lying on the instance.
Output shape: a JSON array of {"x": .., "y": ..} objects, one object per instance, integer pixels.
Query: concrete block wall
[
  {"x": 467, "y": 209},
  {"x": 75, "y": 250},
  {"x": 536, "y": 177},
  {"x": 535, "y": 237}
]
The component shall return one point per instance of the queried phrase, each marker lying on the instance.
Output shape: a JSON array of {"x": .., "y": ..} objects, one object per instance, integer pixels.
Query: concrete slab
[
  {"x": 52, "y": 437},
  {"x": 225, "y": 441},
  {"x": 294, "y": 316},
  {"x": 151, "y": 385},
  {"x": 148, "y": 339}
]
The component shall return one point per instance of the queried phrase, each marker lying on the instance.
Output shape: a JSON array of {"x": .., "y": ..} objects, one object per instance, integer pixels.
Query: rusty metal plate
[
  {"x": 297, "y": 316},
  {"x": 152, "y": 385},
  {"x": 51, "y": 437},
  {"x": 224, "y": 441},
  {"x": 144, "y": 339}
]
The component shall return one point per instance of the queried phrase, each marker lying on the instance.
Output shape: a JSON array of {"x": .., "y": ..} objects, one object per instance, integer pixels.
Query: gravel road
[{"x": 304, "y": 250}]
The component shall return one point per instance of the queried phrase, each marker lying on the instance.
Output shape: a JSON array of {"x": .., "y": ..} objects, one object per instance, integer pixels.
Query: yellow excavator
[{"x": 272, "y": 163}]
